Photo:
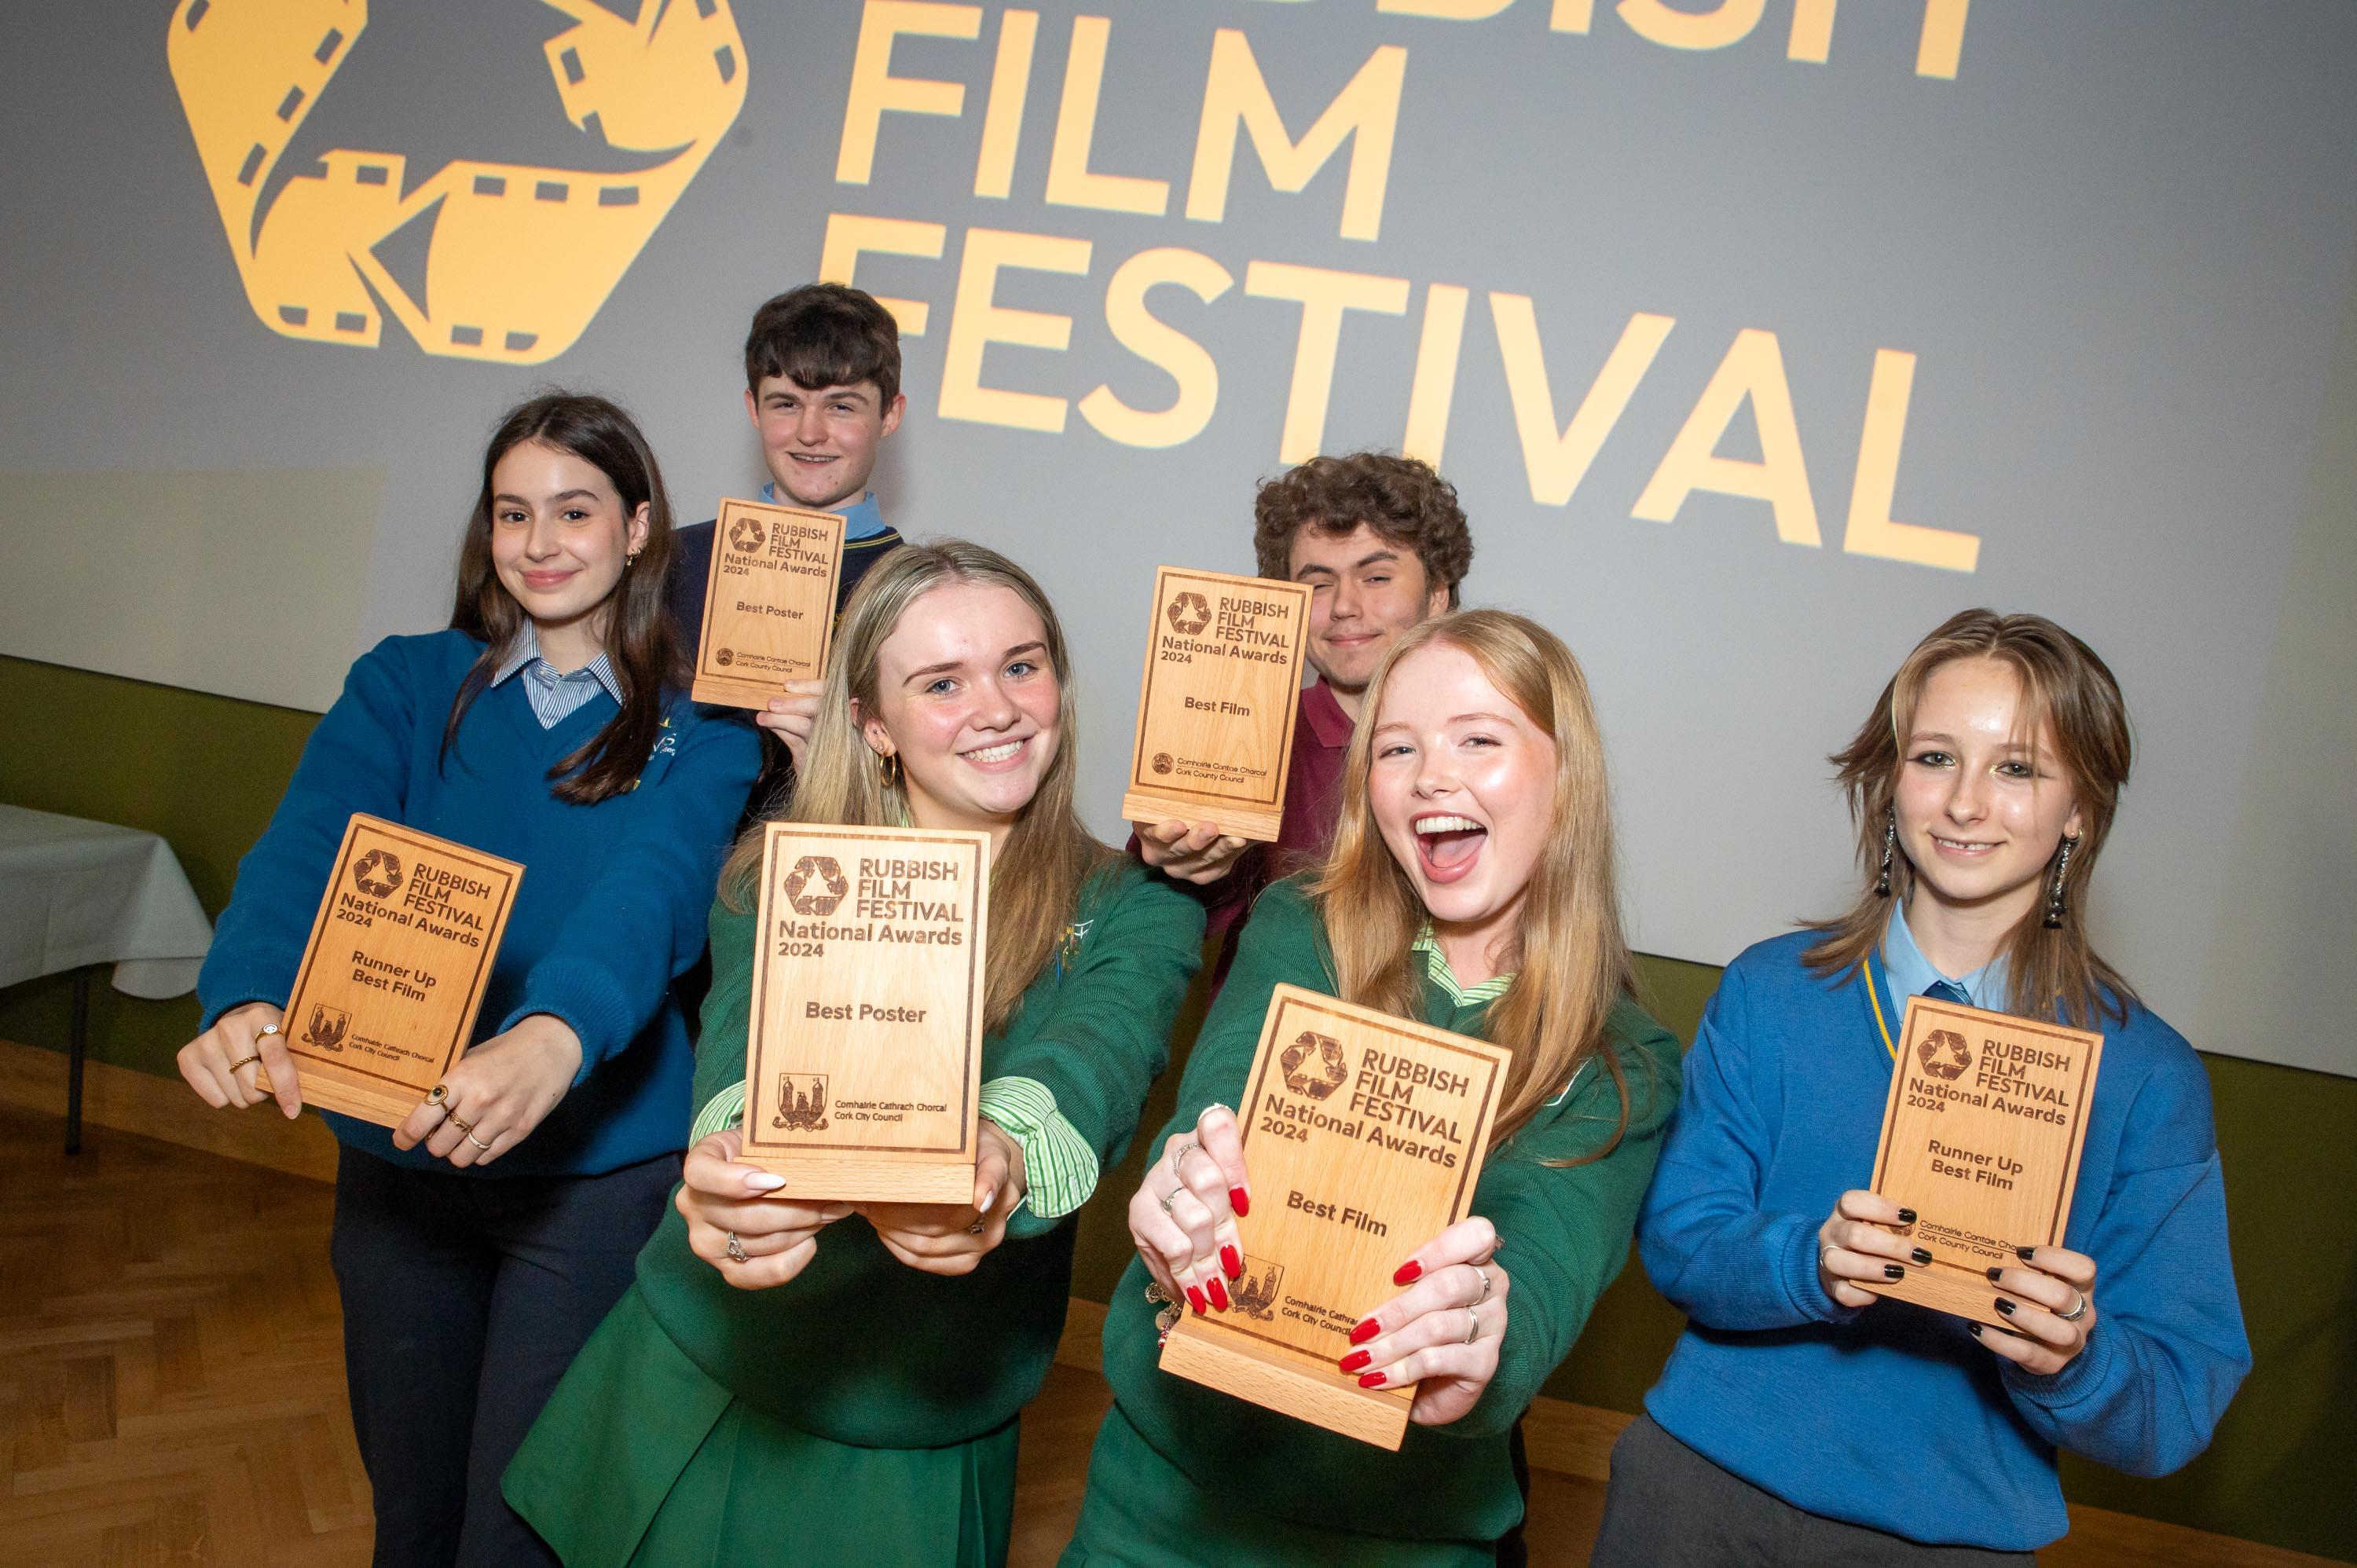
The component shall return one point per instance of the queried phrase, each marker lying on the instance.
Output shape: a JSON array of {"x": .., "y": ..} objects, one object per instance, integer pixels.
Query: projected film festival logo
[{"x": 521, "y": 257}]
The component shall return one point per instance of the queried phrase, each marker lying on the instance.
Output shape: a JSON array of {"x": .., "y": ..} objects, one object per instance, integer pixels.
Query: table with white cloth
[{"x": 75, "y": 895}]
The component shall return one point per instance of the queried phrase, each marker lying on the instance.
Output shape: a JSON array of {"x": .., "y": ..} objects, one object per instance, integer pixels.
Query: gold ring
[
  {"x": 245, "y": 1061},
  {"x": 462, "y": 1126},
  {"x": 437, "y": 1095},
  {"x": 265, "y": 1032}
]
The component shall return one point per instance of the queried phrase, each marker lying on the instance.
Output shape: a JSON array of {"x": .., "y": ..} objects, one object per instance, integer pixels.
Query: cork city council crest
[
  {"x": 521, "y": 256},
  {"x": 1945, "y": 1054}
]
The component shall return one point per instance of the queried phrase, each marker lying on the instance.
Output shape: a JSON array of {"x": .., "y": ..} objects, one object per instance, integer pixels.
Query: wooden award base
[
  {"x": 1259, "y": 823},
  {"x": 828, "y": 1178},
  {"x": 1289, "y": 1383}
]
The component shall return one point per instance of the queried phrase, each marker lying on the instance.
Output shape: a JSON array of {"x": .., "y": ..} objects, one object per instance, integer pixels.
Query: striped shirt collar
[
  {"x": 555, "y": 695},
  {"x": 1435, "y": 964}
]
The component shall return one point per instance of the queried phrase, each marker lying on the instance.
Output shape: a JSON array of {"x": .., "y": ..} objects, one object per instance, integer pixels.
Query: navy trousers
[{"x": 465, "y": 1299}]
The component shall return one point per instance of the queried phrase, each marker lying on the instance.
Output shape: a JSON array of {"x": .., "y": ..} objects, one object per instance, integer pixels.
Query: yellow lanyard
[{"x": 1874, "y": 995}]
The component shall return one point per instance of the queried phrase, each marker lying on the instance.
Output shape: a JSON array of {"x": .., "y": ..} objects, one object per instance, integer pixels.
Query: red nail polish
[
  {"x": 1232, "y": 1262},
  {"x": 1365, "y": 1331},
  {"x": 1356, "y": 1359},
  {"x": 1195, "y": 1299},
  {"x": 1409, "y": 1272},
  {"x": 1219, "y": 1294},
  {"x": 1370, "y": 1379},
  {"x": 1239, "y": 1201}
]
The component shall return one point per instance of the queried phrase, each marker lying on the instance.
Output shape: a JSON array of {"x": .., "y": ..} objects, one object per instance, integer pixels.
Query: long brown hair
[
  {"x": 1570, "y": 960},
  {"x": 639, "y": 644},
  {"x": 2066, "y": 691},
  {"x": 1036, "y": 877}
]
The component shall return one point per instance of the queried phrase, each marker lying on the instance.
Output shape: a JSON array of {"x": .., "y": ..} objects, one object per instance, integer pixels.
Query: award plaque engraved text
[
  {"x": 1216, "y": 707},
  {"x": 863, "y": 1062},
  {"x": 385, "y": 1001},
  {"x": 768, "y": 609},
  {"x": 1981, "y": 1138},
  {"x": 1363, "y": 1135}
]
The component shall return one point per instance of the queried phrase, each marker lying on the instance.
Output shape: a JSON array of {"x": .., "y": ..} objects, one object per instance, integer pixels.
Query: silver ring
[
  {"x": 1166, "y": 1198},
  {"x": 1827, "y": 1250},
  {"x": 1485, "y": 1284},
  {"x": 479, "y": 1143},
  {"x": 1472, "y": 1326},
  {"x": 975, "y": 1229},
  {"x": 736, "y": 1250},
  {"x": 1178, "y": 1154},
  {"x": 1215, "y": 1105},
  {"x": 2077, "y": 1312}
]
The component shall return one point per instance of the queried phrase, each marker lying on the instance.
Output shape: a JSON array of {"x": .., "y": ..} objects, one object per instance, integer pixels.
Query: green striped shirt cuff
[{"x": 1060, "y": 1167}]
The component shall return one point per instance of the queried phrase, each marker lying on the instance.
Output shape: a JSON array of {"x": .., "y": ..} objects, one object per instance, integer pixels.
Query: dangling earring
[
  {"x": 889, "y": 761},
  {"x": 1889, "y": 843},
  {"x": 2054, "y": 906}
]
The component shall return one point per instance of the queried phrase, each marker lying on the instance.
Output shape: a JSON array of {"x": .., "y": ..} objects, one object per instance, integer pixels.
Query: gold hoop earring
[{"x": 889, "y": 762}]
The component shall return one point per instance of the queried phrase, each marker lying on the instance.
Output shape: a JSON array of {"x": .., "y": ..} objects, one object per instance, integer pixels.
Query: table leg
[{"x": 77, "y": 1051}]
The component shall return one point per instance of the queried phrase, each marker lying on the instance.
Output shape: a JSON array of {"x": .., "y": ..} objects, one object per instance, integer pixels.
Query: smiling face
[
  {"x": 1364, "y": 592},
  {"x": 967, "y": 698},
  {"x": 820, "y": 443},
  {"x": 559, "y": 538},
  {"x": 1462, "y": 786},
  {"x": 1982, "y": 800}
]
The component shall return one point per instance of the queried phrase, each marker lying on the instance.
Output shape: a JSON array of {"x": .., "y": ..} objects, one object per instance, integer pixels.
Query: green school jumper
[
  {"x": 863, "y": 1412},
  {"x": 1182, "y": 1474}
]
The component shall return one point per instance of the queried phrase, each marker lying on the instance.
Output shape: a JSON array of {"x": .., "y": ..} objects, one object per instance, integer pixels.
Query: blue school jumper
[
  {"x": 1893, "y": 1416},
  {"x": 610, "y": 909}
]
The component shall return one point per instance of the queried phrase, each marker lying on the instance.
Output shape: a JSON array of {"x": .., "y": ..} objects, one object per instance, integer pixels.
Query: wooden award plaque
[
  {"x": 1217, "y": 704},
  {"x": 862, "y": 1063},
  {"x": 1364, "y": 1136},
  {"x": 385, "y": 1000},
  {"x": 1981, "y": 1138},
  {"x": 768, "y": 609}
]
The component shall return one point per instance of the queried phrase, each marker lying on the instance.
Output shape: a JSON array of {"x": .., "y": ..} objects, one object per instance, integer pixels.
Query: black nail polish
[
  {"x": 1893, "y": 1271},
  {"x": 2025, "y": 1254},
  {"x": 1907, "y": 1216},
  {"x": 1993, "y": 1274},
  {"x": 1922, "y": 1256},
  {"x": 1976, "y": 1330},
  {"x": 2005, "y": 1307}
]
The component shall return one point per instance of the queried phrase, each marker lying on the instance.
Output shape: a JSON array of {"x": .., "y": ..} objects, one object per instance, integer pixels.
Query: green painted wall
[{"x": 205, "y": 772}]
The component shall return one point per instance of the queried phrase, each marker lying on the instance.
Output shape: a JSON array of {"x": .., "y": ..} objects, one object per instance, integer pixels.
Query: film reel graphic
[{"x": 522, "y": 256}]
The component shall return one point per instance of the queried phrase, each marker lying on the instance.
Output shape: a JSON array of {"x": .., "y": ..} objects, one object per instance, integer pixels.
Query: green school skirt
[
  {"x": 1142, "y": 1511},
  {"x": 641, "y": 1461}
]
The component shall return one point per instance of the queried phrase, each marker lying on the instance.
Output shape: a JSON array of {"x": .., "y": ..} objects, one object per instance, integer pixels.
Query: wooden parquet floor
[{"x": 172, "y": 1387}]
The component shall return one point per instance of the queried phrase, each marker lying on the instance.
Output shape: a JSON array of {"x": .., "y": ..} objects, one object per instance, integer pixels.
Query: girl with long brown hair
[
  {"x": 831, "y": 1384},
  {"x": 478, "y": 1244},
  {"x": 1471, "y": 885},
  {"x": 1803, "y": 1420}
]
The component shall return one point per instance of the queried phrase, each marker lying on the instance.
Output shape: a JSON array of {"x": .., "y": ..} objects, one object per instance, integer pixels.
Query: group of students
[{"x": 567, "y": 1341}]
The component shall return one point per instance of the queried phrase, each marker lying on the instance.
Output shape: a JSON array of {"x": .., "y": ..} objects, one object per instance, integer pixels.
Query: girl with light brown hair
[
  {"x": 1471, "y": 887},
  {"x": 792, "y": 1381},
  {"x": 1803, "y": 1420}
]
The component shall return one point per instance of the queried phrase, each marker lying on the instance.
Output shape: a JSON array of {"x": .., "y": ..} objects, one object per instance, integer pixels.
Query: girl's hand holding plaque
[
  {"x": 1183, "y": 1217},
  {"x": 737, "y": 1222},
  {"x": 1442, "y": 1333},
  {"x": 951, "y": 1239},
  {"x": 2050, "y": 1296},
  {"x": 497, "y": 1094},
  {"x": 224, "y": 1064}
]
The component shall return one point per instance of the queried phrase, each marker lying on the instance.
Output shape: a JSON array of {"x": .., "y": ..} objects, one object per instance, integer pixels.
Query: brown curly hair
[{"x": 1402, "y": 499}]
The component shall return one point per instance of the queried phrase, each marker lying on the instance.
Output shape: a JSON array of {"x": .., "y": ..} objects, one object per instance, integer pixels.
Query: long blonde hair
[
  {"x": 1570, "y": 960},
  {"x": 2063, "y": 685},
  {"x": 1035, "y": 876}
]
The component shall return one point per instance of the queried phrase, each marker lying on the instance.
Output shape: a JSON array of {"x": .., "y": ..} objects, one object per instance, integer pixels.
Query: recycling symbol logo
[
  {"x": 520, "y": 257},
  {"x": 1945, "y": 1054},
  {"x": 745, "y": 536},
  {"x": 377, "y": 874},
  {"x": 823, "y": 871},
  {"x": 1188, "y": 614},
  {"x": 1313, "y": 1065}
]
